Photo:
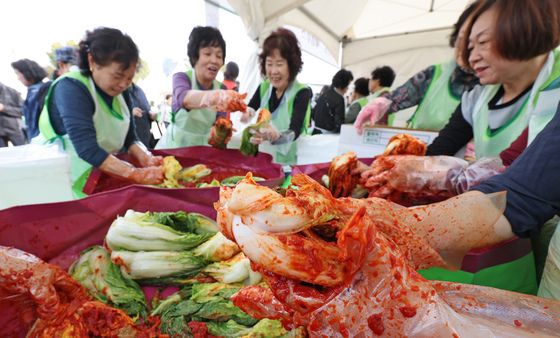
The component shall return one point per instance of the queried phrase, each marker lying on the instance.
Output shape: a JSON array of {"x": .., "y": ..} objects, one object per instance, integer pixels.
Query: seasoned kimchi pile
[{"x": 347, "y": 267}]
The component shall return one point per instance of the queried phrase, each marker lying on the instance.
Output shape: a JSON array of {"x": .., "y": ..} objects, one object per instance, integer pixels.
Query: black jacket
[{"x": 328, "y": 113}]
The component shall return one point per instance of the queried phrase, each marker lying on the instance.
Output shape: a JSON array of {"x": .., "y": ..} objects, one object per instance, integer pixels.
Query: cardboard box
[{"x": 32, "y": 173}]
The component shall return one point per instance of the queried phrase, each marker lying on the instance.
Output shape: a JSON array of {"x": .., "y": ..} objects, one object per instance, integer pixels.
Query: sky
[{"x": 159, "y": 28}]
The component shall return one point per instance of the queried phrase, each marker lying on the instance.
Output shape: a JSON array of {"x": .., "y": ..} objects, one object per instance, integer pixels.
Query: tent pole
[
  {"x": 340, "y": 53},
  {"x": 432, "y": 6}
]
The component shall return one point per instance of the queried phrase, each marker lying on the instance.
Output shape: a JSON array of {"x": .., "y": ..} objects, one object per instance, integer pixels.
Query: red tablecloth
[
  {"x": 229, "y": 161},
  {"x": 58, "y": 232}
]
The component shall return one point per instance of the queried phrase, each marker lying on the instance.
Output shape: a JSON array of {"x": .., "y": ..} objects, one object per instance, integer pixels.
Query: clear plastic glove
[
  {"x": 223, "y": 100},
  {"x": 247, "y": 115},
  {"x": 148, "y": 175},
  {"x": 462, "y": 179},
  {"x": 221, "y": 132},
  {"x": 268, "y": 133},
  {"x": 410, "y": 174},
  {"x": 371, "y": 113},
  {"x": 143, "y": 156}
]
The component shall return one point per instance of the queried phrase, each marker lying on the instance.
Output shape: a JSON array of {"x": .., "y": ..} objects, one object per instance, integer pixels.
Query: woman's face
[
  {"x": 277, "y": 70},
  {"x": 21, "y": 78},
  {"x": 210, "y": 60},
  {"x": 112, "y": 79},
  {"x": 489, "y": 67}
]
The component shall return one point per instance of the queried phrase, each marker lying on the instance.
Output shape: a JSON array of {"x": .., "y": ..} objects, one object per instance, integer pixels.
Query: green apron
[
  {"x": 111, "y": 127},
  {"x": 438, "y": 103},
  {"x": 285, "y": 153},
  {"x": 189, "y": 128},
  {"x": 537, "y": 110},
  {"x": 520, "y": 274},
  {"x": 362, "y": 101}
]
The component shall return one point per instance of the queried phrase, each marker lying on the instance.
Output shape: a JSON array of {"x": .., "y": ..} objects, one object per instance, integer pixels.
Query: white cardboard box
[
  {"x": 374, "y": 139},
  {"x": 33, "y": 173}
]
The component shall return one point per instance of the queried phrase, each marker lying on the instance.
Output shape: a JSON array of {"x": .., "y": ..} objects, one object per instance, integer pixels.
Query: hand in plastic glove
[
  {"x": 247, "y": 115},
  {"x": 221, "y": 132},
  {"x": 224, "y": 100},
  {"x": 371, "y": 113},
  {"x": 462, "y": 179},
  {"x": 143, "y": 156},
  {"x": 149, "y": 175},
  {"x": 410, "y": 174},
  {"x": 264, "y": 134}
]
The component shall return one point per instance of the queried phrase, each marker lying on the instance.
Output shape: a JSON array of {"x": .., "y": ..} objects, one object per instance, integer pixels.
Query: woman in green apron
[
  {"x": 436, "y": 90},
  {"x": 511, "y": 49},
  {"x": 281, "y": 93},
  {"x": 88, "y": 112},
  {"x": 532, "y": 199},
  {"x": 197, "y": 96},
  {"x": 359, "y": 99}
]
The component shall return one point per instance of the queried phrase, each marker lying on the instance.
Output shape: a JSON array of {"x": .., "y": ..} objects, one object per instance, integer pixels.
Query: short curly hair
[
  {"x": 342, "y": 79},
  {"x": 202, "y": 37},
  {"x": 106, "y": 45},
  {"x": 287, "y": 44},
  {"x": 385, "y": 75},
  {"x": 361, "y": 86}
]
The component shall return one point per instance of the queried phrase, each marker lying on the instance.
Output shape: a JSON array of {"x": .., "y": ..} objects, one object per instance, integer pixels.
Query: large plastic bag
[{"x": 387, "y": 298}]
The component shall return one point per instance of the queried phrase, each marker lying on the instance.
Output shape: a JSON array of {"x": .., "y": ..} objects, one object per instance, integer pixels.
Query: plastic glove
[
  {"x": 267, "y": 133},
  {"x": 143, "y": 156},
  {"x": 247, "y": 115},
  {"x": 221, "y": 133},
  {"x": 462, "y": 179},
  {"x": 149, "y": 175},
  {"x": 223, "y": 100},
  {"x": 371, "y": 113},
  {"x": 410, "y": 174}
]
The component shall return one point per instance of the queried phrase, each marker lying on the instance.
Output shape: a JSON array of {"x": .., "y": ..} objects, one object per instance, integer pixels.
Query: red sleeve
[{"x": 515, "y": 149}]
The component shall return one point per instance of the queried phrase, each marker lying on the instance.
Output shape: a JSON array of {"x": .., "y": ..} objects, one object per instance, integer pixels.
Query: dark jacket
[
  {"x": 144, "y": 123},
  {"x": 328, "y": 113},
  {"x": 32, "y": 106},
  {"x": 533, "y": 197},
  {"x": 10, "y": 117}
]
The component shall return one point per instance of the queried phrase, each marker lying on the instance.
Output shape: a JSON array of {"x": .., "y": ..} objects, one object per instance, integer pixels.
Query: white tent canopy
[{"x": 408, "y": 35}]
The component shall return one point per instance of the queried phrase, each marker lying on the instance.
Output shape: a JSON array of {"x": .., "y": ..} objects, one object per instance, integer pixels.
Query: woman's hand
[
  {"x": 143, "y": 156},
  {"x": 114, "y": 167},
  {"x": 247, "y": 115},
  {"x": 223, "y": 100},
  {"x": 411, "y": 174},
  {"x": 264, "y": 134},
  {"x": 148, "y": 175},
  {"x": 371, "y": 113},
  {"x": 137, "y": 112}
]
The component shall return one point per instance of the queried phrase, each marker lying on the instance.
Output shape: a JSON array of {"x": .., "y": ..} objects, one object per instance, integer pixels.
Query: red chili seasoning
[{"x": 375, "y": 323}]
